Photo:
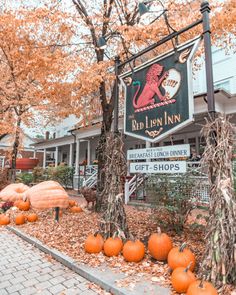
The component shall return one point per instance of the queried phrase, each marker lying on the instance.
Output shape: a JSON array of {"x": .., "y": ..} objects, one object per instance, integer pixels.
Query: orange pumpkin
[
  {"x": 201, "y": 288},
  {"x": 159, "y": 245},
  {"x": 47, "y": 194},
  {"x": 133, "y": 251},
  {"x": 32, "y": 217},
  {"x": 94, "y": 244},
  {"x": 13, "y": 192},
  {"x": 4, "y": 220},
  {"x": 20, "y": 219},
  {"x": 113, "y": 246},
  {"x": 181, "y": 256},
  {"x": 24, "y": 206},
  {"x": 181, "y": 279},
  {"x": 76, "y": 209},
  {"x": 16, "y": 203},
  {"x": 72, "y": 203}
]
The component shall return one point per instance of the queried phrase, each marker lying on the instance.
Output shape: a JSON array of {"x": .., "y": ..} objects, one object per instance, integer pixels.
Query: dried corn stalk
[
  {"x": 114, "y": 217},
  {"x": 219, "y": 264}
]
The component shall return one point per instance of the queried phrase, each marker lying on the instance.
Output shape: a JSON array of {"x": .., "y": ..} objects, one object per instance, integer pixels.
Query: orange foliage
[{"x": 50, "y": 60}]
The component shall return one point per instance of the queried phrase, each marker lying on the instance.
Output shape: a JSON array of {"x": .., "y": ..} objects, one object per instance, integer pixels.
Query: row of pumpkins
[
  {"x": 32, "y": 217},
  {"x": 181, "y": 260}
]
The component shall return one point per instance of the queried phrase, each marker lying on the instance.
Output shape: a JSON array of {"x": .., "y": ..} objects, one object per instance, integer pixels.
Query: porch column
[
  {"x": 56, "y": 156},
  {"x": 77, "y": 157},
  {"x": 71, "y": 155},
  {"x": 148, "y": 145},
  {"x": 44, "y": 158},
  {"x": 197, "y": 145},
  {"x": 34, "y": 155},
  {"x": 89, "y": 154}
]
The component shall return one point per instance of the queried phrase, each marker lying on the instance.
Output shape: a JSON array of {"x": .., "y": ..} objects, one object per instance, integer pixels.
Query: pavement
[{"x": 25, "y": 269}]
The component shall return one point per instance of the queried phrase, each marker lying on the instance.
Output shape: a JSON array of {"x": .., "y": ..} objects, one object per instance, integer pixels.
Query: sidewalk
[{"x": 25, "y": 270}]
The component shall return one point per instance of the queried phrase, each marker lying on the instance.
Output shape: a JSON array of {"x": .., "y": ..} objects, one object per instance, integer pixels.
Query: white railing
[
  {"x": 91, "y": 181},
  {"x": 132, "y": 185}
]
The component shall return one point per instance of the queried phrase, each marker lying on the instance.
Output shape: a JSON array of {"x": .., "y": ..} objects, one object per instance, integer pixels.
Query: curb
[{"x": 67, "y": 261}]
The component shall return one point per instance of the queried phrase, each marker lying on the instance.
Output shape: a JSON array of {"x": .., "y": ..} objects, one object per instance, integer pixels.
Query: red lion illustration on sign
[{"x": 153, "y": 82}]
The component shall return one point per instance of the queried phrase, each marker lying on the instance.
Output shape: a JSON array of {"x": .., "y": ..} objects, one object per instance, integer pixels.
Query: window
[
  {"x": 225, "y": 85},
  {"x": 218, "y": 55}
]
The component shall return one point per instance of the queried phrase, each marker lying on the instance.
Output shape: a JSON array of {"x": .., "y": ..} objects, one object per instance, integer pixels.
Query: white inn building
[{"x": 77, "y": 146}]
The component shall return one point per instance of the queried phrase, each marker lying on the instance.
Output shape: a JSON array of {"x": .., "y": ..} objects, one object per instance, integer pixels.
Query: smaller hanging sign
[
  {"x": 171, "y": 151},
  {"x": 159, "y": 167}
]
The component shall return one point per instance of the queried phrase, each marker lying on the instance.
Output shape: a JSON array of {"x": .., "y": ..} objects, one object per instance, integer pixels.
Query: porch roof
[{"x": 224, "y": 102}]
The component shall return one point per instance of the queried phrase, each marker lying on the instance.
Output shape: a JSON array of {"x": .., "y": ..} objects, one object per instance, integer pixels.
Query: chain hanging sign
[{"x": 159, "y": 95}]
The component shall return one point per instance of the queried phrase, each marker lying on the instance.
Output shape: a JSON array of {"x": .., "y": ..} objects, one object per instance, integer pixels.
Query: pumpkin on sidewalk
[
  {"x": 4, "y": 219},
  {"x": 112, "y": 246},
  {"x": 133, "y": 251},
  {"x": 32, "y": 217},
  {"x": 181, "y": 279},
  {"x": 20, "y": 219},
  {"x": 94, "y": 243},
  {"x": 181, "y": 256},
  {"x": 159, "y": 245},
  {"x": 201, "y": 288}
]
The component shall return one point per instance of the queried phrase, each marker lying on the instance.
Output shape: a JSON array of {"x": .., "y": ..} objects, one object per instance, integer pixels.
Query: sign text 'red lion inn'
[{"x": 159, "y": 96}]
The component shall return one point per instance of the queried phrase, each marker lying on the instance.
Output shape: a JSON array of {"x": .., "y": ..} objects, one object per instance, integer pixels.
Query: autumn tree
[
  {"x": 120, "y": 18},
  {"x": 34, "y": 72},
  {"x": 120, "y": 22}
]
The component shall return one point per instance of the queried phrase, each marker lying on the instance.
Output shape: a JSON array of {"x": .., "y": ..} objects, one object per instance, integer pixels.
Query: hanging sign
[
  {"x": 159, "y": 167},
  {"x": 159, "y": 95},
  {"x": 171, "y": 151}
]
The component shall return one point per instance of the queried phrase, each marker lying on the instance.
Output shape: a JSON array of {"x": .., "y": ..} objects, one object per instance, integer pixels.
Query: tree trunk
[
  {"x": 114, "y": 217},
  {"x": 105, "y": 129},
  {"x": 219, "y": 261},
  {"x": 15, "y": 149}
]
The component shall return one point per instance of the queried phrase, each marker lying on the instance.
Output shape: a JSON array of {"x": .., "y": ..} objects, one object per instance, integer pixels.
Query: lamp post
[
  {"x": 205, "y": 10},
  {"x": 116, "y": 105}
]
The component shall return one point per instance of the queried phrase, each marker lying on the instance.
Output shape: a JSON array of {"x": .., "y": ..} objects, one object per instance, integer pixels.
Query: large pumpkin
[
  {"x": 159, "y": 245},
  {"x": 32, "y": 217},
  {"x": 94, "y": 244},
  {"x": 4, "y": 220},
  {"x": 20, "y": 219},
  {"x": 23, "y": 205},
  {"x": 181, "y": 279},
  {"x": 112, "y": 246},
  {"x": 133, "y": 251},
  {"x": 48, "y": 194},
  {"x": 181, "y": 256},
  {"x": 201, "y": 288},
  {"x": 13, "y": 192}
]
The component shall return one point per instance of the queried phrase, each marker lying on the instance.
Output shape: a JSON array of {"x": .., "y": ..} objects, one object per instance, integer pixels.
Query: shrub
[
  {"x": 171, "y": 196},
  {"x": 63, "y": 174},
  {"x": 38, "y": 174},
  {"x": 26, "y": 178}
]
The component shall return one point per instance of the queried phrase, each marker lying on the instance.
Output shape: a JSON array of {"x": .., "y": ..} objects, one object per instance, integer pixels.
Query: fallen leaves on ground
[{"x": 70, "y": 233}]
